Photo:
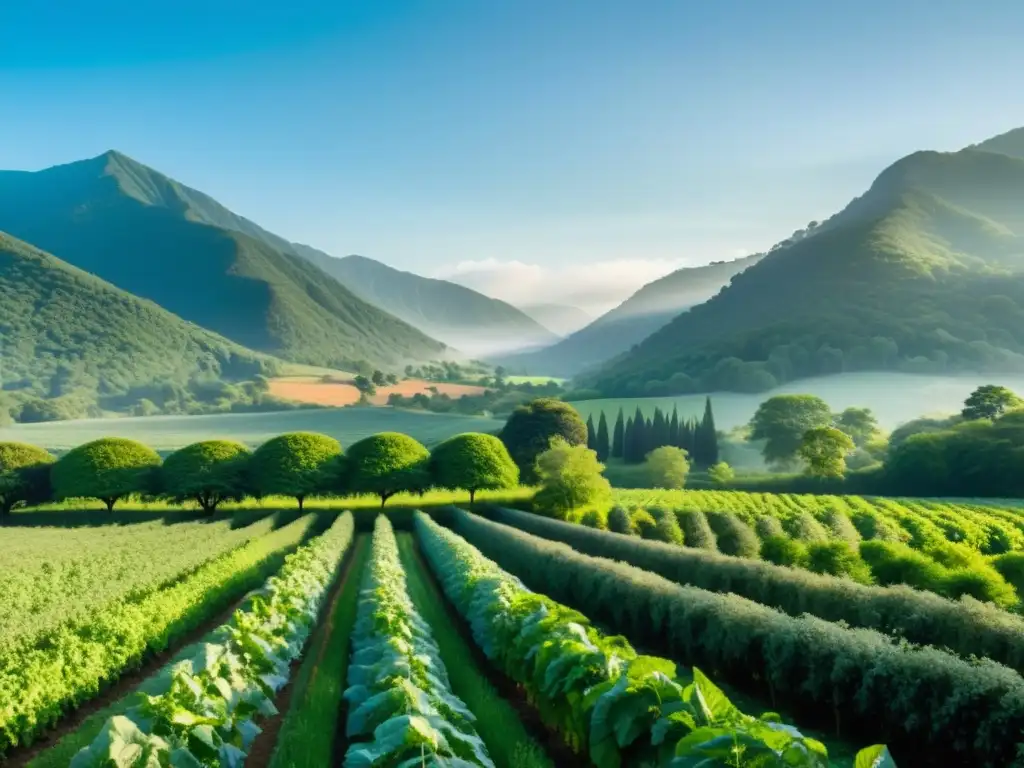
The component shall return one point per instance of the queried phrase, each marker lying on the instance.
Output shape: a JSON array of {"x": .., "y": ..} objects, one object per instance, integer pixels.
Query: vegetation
[
  {"x": 293, "y": 464},
  {"x": 782, "y": 421},
  {"x": 386, "y": 464},
  {"x": 208, "y": 473},
  {"x": 570, "y": 478},
  {"x": 24, "y": 475},
  {"x": 824, "y": 450},
  {"x": 990, "y": 402},
  {"x": 634, "y": 439},
  {"x": 108, "y": 469},
  {"x": 531, "y": 428},
  {"x": 473, "y": 462},
  {"x": 667, "y": 467}
]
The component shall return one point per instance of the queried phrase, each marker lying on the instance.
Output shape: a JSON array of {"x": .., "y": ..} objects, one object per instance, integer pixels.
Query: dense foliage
[
  {"x": 570, "y": 478},
  {"x": 473, "y": 462},
  {"x": 207, "y": 472},
  {"x": 386, "y": 464},
  {"x": 783, "y": 420},
  {"x": 294, "y": 464},
  {"x": 24, "y": 475},
  {"x": 531, "y": 427},
  {"x": 633, "y": 439},
  {"x": 108, "y": 469}
]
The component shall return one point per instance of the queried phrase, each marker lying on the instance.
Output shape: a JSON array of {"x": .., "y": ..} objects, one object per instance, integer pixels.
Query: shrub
[
  {"x": 108, "y": 469},
  {"x": 386, "y": 464},
  {"x": 474, "y": 462},
  {"x": 893, "y": 563},
  {"x": 531, "y": 428},
  {"x": 593, "y": 518},
  {"x": 619, "y": 521},
  {"x": 293, "y": 464},
  {"x": 805, "y": 527},
  {"x": 207, "y": 472},
  {"x": 985, "y": 585},
  {"x": 734, "y": 537},
  {"x": 721, "y": 473},
  {"x": 1011, "y": 568},
  {"x": 768, "y": 526},
  {"x": 24, "y": 475},
  {"x": 570, "y": 478},
  {"x": 666, "y": 527},
  {"x": 837, "y": 558},
  {"x": 842, "y": 527},
  {"x": 782, "y": 550},
  {"x": 644, "y": 524},
  {"x": 667, "y": 467},
  {"x": 696, "y": 531}
]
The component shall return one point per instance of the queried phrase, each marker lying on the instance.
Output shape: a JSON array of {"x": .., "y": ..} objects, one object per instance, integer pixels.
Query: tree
[
  {"x": 667, "y": 467},
  {"x": 859, "y": 423},
  {"x": 603, "y": 446},
  {"x": 673, "y": 428},
  {"x": 207, "y": 472},
  {"x": 364, "y": 385},
  {"x": 705, "y": 440},
  {"x": 990, "y": 402},
  {"x": 24, "y": 475},
  {"x": 293, "y": 464},
  {"x": 591, "y": 433},
  {"x": 824, "y": 450},
  {"x": 386, "y": 464},
  {"x": 636, "y": 444},
  {"x": 721, "y": 473},
  {"x": 379, "y": 379},
  {"x": 781, "y": 422},
  {"x": 108, "y": 469},
  {"x": 570, "y": 477},
  {"x": 391, "y": 379},
  {"x": 474, "y": 462},
  {"x": 618, "y": 436},
  {"x": 531, "y": 427}
]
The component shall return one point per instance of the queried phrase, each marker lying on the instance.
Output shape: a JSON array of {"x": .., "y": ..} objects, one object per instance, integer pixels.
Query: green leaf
[{"x": 876, "y": 756}]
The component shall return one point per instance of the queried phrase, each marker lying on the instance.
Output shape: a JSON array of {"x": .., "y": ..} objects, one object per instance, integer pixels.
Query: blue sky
[{"x": 514, "y": 143}]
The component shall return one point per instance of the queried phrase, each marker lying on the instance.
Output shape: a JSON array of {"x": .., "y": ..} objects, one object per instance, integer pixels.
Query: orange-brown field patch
[{"x": 310, "y": 390}]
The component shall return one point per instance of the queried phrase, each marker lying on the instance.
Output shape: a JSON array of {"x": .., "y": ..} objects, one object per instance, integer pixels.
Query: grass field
[
  {"x": 308, "y": 389},
  {"x": 166, "y": 433},
  {"x": 894, "y": 397},
  {"x": 534, "y": 380}
]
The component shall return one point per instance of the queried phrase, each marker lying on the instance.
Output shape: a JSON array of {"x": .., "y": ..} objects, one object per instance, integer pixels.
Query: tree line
[{"x": 632, "y": 439}]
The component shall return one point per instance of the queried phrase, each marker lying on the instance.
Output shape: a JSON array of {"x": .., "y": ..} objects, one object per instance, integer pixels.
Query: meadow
[{"x": 167, "y": 433}]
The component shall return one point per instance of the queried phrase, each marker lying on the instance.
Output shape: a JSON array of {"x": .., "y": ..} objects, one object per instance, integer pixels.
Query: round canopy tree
[
  {"x": 387, "y": 464},
  {"x": 531, "y": 428},
  {"x": 475, "y": 462},
  {"x": 293, "y": 464},
  {"x": 781, "y": 421},
  {"x": 24, "y": 475},
  {"x": 208, "y": 473},
  {"x": 108, "y": 469}
]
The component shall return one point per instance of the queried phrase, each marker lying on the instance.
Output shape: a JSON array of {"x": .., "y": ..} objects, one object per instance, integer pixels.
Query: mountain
[
  {"x": 64, "y": 332},
  {"x": 631, "y": 322},
  {"x": 1010, "y": 143},
  {"x": 161, "y": 240},
  {"x": 562, "y": 319},
  {"x": 457, "y": 315},
  {"x": 923, "y": 273}
]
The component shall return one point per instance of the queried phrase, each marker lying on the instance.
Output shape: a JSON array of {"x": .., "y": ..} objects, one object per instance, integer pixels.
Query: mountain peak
[{"x": 1010, "y": 143}]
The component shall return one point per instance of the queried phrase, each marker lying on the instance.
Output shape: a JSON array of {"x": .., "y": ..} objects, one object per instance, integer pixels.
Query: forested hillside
[
  {"x": 71, "y": 339},
  {"x": 160, "y": 240},
  {"x": 922, "y": 273}
]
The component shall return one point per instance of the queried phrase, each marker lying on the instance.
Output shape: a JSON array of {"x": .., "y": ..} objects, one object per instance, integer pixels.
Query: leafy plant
[{"x": 108, "y": 469}]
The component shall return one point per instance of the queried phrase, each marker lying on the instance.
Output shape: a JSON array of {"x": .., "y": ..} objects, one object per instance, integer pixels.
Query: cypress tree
[
  {"x": 639, "y": 436},
  {"x": 591, "y": 433},
  {"x": 618, "y": 437},
  {"x": 686, "y": 437},
  {"x": 673, "y": 427},
  {"x": 707, "y": 438},
  {"x": 628, "y": 441},
  {"x": 603, "y": 448},
  {"x": 659, "y": 430}
]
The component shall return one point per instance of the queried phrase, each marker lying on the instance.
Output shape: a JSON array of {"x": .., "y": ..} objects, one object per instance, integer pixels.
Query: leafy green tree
[
  {"x": 108, "y": 469},
  {"x": 570, "y": 478},
  {"x": 364, "y": 385},
  {"x": 474, "y": 462},
  {"x": 391, "y": 379},
  {"x": 293, "y": 464},
  {"x": 618, "y": 436},
  {"x": 781, "y": 421},
  {"x": 386, "y": 464},
  {"x": 24, "y": 475},
  {"x": 667, "y": 467},
  {"x": 603, "y": 446},
  {"x": 721, "y": 473},
  {"x": 207, "y": 472},
  {"x": 990, "y": 402},
  {"x": 859, "y": 423},
  {"x": 532, "y": 426},
  {"x": 824, "y": 449},
  {"x": 379, "y": 379}
]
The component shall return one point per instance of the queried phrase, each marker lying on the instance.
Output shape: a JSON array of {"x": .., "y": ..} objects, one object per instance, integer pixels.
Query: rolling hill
[
  {"x": 562, "y": 319},
  {"x": 459, "y": 316},
  {"x": 923, "y": 273},
  {"x": 161, "y": 240},
  {"x": 67, "y": 334},
  {"x": 631, "y": 322}
]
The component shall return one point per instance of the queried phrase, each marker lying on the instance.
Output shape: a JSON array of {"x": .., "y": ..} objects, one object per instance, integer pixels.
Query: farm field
[
  {"x": 893, "y": 397},
  {"x": 316, "y": 392},
  {"x": 372, "y": 649},
  {"x": 167, "y": 433}
]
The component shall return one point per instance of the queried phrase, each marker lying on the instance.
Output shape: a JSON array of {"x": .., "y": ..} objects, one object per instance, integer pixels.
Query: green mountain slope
[
  {"x": 453, "y": 313},
  {"x": 643, "y": 313},
  {"x": 156, "y": 238},
  {"x": 562, "y": 319},
  {"x": 65, "y": 333},
  {"x": 922, "y": 273},
  {"x": 1010, "y": 143}
]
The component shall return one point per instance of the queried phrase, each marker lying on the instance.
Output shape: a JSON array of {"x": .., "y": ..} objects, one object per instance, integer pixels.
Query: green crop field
[{"x": 166, "y": 433}]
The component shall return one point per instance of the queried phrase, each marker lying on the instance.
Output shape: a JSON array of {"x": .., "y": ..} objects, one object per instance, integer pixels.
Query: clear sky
[{"x": 513, "y": 142}]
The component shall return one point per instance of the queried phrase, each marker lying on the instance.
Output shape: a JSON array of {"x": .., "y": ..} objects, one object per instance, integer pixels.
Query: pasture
[{"x": 306, "y": 389}]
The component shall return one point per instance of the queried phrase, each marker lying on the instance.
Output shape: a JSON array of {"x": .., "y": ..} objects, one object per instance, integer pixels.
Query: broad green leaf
[{"x": 876, "y": 756}]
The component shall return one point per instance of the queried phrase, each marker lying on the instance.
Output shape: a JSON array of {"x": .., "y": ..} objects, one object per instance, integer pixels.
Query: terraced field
[{"x": 507, "y": 639}]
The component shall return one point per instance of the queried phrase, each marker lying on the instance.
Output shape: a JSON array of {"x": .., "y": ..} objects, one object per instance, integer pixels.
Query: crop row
[
  {"x": 608, "y": 702},
  {"x": 73, "y": 663},
  {"x": 205, "y": 712},
  {"x": 401, "y": 706},
  {"x": 924, "y": 699}
]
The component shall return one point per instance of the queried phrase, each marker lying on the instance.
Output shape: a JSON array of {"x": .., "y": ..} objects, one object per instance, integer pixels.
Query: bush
[
  {"x": 531, "y": 428},
  {"x": 842, "y": 527},
  {"x": 386, "y": 464},
  {"x": 474, "y": 462},
  {"x": 696, "y": 531},
  {"x": 985, "y": 585},
  {"x": 24, "y": 475},
  {"x": 1011, "y": 568},
  {"x": 782, "y": 550},
  {"x": 721, "y": 473},
  {"x": 108, "y": 469},
  {"x": 733, "y": 536},
  {"x": 805, "y": 527},
  {"x": 837, "y": 558},
  {"x": 570, "y": 478},
  {"x": 207, "y": 472},
  {"x": 666, "y": 527},
  {"x": 592, "y": 518},
  {"x": 768, "y": 526},
  {"x": 893, "y": 563},
  {"x": 644, "y": 524},
  {"x": 619, "y": 521},
  {"x": 667, "y": 467},
  {"x": 294, "y": 464}
]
